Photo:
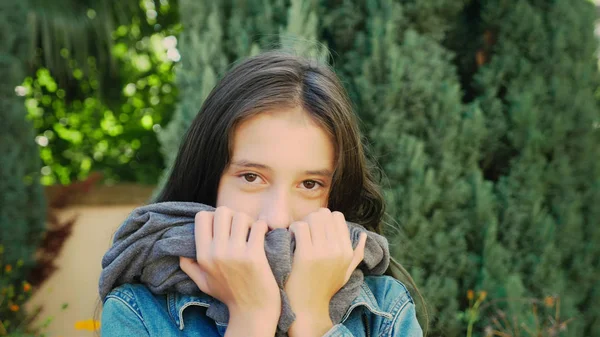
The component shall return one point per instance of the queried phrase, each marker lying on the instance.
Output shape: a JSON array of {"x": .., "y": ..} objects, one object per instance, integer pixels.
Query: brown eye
[
  {"x": 309, "y": 184},
  {"x": 250, "y": 177}
]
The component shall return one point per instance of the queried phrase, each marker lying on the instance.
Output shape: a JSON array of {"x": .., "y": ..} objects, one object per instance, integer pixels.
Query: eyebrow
[{"x": 248, "y": 164}]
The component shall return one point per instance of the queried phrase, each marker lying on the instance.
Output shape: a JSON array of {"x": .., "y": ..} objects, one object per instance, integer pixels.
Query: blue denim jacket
[{"x": 384, "y": 307}]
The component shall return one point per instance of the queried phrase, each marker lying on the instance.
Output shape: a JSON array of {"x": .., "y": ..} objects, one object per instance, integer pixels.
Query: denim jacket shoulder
[{"x": 383, "y": 307}]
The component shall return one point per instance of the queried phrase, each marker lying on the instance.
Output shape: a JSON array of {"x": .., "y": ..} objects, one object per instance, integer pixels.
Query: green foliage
[
  {"x": 203, "y": 59},
  {"x": 407, "y": 93},
  {"x": 83, "y": 27},
  {"x": 22, "y": 203},
  {"x": 495, "y": 192},
  {"x": 301, "y": 32},
  {"x": 537, "y": 93},
  {"x": 20, "y": 231},
  {"x": 14, "y": 292},
  {"x": 86, "y": 127},
  {"x": 15, "y": 321}
]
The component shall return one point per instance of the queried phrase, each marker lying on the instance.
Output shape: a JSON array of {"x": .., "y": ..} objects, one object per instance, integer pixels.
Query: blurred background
[{"x": 484, "y": 116}]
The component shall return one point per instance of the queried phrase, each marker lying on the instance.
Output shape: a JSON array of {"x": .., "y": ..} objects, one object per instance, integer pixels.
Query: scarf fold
[{"x": 147, "y": 246}]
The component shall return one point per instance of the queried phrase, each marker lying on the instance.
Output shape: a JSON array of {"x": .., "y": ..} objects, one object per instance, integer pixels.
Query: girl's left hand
[{"x": 323, "y": 262}]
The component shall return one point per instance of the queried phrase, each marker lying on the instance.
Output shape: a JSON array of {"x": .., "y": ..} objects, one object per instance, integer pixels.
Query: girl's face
[{"x": 280, "y": 170}]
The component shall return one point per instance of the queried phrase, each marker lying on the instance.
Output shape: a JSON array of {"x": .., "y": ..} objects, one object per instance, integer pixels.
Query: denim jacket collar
[{"x": 177, "y": 303}]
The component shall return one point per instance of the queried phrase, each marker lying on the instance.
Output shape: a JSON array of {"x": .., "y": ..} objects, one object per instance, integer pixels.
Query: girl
[{"x": 277, "y": 150}]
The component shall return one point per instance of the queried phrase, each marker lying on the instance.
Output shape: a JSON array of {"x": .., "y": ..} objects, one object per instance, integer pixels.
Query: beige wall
[{"x": 76, "y": 281}]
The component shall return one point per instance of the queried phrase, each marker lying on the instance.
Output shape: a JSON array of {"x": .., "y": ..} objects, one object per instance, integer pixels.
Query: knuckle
[
  {"x": 237, "y": 251},
  {"x": 259, "y": 225},
  {"x": 231, "y": 258},
  {"x": 240, "y": 257},
  {"x": 242, "y": 217},
  {"x": 202, "y": 216},
  {"x": 202, "y": 260},
  {"x": 338, "y": 215},
  {"x": 217, "y": 252},
  {"x": 311, "y": 217},
  {"x": 224, "y": 210},
  {"x": 299, "y": 225},
  {"x": 323, "y": 213},
  {"x": 302, "y": 224},
  {"x": 220, "y": 257}
]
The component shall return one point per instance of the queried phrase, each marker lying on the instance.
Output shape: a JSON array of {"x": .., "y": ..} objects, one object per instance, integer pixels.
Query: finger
[
  {"x": 317, "y": 222},
  {"x": 301, "y": 232},
  {"x": 203, "y": 232},
  {"x": 258, "y": 230},
  {"x": 239, "y": 229},
  {"x": 222, "y": 225},
  {"x": 193, "y": 270},
  {"x": 358, "y": 256},
  {"x": 331, "y": 234},
  {"x": 341, "y": 229},
  {"x": 359, "y": 251}
]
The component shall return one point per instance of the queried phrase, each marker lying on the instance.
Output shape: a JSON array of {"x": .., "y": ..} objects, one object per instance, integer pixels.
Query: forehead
[{"x": 286, "y": 139}]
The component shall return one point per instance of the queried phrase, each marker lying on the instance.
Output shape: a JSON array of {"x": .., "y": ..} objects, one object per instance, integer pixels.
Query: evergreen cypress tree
[
  {"x": 22, "y": 210},
  {"x": 537, "y": 94},
  {"x": 408, "y": 94},
  {"x": 203, "y": 58},
  {"x": 302, "y": 31},
  {"x": 22, "y": 202}
]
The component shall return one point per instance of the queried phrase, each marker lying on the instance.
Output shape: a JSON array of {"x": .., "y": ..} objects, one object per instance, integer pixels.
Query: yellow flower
[
  {"x": 26, "y": 286},
  {"x": 470, "y": 294},
  {"x": 482, "y": 295},
  {"x": 90, "y": 325},
  {"x": 7, "y": 268},
  {"x": 549, "y": 301},
  {"x": 14, "y": 307}
]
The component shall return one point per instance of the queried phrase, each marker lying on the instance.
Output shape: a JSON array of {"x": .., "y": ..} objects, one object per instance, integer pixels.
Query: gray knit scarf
[{"x": 147, "y": 246}]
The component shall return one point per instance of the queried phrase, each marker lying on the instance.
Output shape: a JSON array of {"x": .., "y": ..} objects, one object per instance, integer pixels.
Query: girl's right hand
[{"x": 230, "y": 269}]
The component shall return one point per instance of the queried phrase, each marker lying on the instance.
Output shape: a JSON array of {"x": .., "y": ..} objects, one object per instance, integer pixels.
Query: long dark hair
[{"x": 269, "y": 81}]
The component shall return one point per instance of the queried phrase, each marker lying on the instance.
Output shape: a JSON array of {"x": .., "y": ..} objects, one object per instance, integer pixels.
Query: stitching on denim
[
  {"x": 120, "y": 293},
  {"x": 371, "y": 297},
  {"x": 126, "y": 295},
  {"x": 373, "y": 310},
  {"x": 336, "y": 331},
  {"x": 172, "y": 308},
  {"x": 369, "y": 293},
  {"x": 406, "y": 292},
  {"x": 396, "y": 307},
  {"x": 181, "y": 323},
  {"x": 399, "y": 305},
  {"x": 130, "y": 308}
]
